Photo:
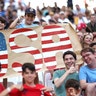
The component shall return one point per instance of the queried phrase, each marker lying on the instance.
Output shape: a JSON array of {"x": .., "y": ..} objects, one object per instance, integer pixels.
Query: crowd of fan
[{"x": 83, "y": 20}]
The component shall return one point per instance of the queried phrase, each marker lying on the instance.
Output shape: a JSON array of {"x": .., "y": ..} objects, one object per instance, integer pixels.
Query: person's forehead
[
  {"x": 68, "y": 55},
  {"x": 27, "y": 70},
  {"x": 85, "y": 53}
]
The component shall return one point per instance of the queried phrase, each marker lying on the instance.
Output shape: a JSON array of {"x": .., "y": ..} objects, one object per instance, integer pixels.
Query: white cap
[{"x": 61, "y": 12}]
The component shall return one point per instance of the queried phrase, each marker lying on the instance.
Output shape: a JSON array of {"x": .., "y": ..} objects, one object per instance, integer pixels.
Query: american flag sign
[{"x": 49, "y": 41}]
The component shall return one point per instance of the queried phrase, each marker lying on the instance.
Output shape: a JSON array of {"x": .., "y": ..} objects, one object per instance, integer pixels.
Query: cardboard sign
[{"x": 41, "y": 46}]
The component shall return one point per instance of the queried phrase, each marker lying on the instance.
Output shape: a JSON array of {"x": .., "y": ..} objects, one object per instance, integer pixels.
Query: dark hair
[
  {"x": 52, "y": 21},
  {"x": 30, "y": 66},
  {"x": 72, "y": 83},
  {"x": 92, "y": 44},
  {"x": 69, "y": 52},
  {"x": 36, "y": 22},
  {"x": 2, "y": 19},
  {"x": 88, "y": 49}
]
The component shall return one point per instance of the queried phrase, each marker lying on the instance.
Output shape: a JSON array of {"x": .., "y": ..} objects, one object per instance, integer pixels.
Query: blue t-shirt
[
  {"x": 87, "y": 74},
  {"x": 23, "y": 25},
  {"x": 60, "y": 91}
]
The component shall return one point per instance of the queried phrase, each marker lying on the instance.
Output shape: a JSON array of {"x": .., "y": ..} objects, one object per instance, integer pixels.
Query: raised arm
[
  {"x": 58, "y": 81},
  {"x": 14, "y": 23},
  {"x": 8, "y": 90}
]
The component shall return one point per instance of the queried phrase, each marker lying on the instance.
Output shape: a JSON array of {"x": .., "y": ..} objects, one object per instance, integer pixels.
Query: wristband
[{"x": 9, "y": 89}]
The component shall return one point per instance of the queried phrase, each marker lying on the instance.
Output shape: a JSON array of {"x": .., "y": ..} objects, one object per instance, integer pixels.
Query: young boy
[
  {"x": 29, "y": 88},
  {"x": 72, "y": 87},
  {"x": 27, "y": 21}
]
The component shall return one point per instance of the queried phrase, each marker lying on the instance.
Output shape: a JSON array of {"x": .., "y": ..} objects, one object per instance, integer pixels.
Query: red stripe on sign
[
  {"x": 53, "y": 33},
  {"x": 11, "y": 39},
  {"x": 49, "y": 59},
  {"x": 38, "y": 61},
  {"x": 47, "y": 41},
  {"x": 38, "y": 69},
  {"x": 30, "y": 36},
  {"x": 57, "y": 48},
  {"x": 15, "y": 47},
  {"x": 4, "y": 65},
  {"x": 63, "y": 39},
  {"x": 33, "y": 52},
  {"x": 33, "y": 36},
  {"x": 1, "y": 74},
  {"x": 51, "y": 67},
  {"x": 21, "y": 30},
  {"x": 51, "y": 41},
  {"x": 3, "y": 56},
  {"x": 16, "y": 64},
  {"x": 52, "y": 26}
]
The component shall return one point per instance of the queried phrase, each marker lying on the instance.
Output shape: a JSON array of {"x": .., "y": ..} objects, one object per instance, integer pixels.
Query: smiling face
[
  {"x": 69, "y": 60},
  {"x": 89, "y": 58},
  {"x": 29, "y": 76},
  {"x": 29, "y": 18},
  {"x": 88, "y": 39}
]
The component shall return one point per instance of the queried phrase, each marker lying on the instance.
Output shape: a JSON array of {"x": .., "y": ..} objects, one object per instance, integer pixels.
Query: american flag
[
  {"x": 3, "y": 55},
  {"x": 28, "y": 49},
  {"x": 49, "y": 45}
]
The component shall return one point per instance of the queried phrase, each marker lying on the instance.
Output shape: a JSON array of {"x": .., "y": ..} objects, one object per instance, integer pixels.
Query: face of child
[
  {"x": 29, "y": 76},
  {"x": 2, "y": 25},
  {"x": 73, "y": 92},
  {"x": 29, "y": 18}
]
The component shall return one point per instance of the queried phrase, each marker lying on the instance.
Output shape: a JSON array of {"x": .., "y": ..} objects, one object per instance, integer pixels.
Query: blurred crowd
[{"x": 82, "y": 20}]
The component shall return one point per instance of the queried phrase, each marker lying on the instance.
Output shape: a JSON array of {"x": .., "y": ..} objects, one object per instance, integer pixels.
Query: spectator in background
[
  {"x": 87, "y": 40},
  {"x": 70, "y": 4},
  {"x": 29, "y": 88},
  {"x": 21, "y": 9},
  {"x": 63, "y": 18},
  {"x": 94, "y": 38},
  {"x": 56, "y": 9},
  {"x": 3, "y": 23},
  {"x": 80, "y": 36},
  {"x": 70, "y": 16},
  {"x": 52, "y": 21},
  {"x": 81, "y": 27},
  {"x": 8, "y": 15},
  {"x": 93, "y": 45},
  {"x": 14, "y": 14},
  {"x": 87, "y": 73},
  {"x": 27, "y": 21},
  {"x": 48, "y": 75},
  {"x": 72, "y": 87},
  {"x": 87, "y": 16},
  {"x": 2, "y": 11},
  {"x": 94, "y": 9},
  {"x": 56, "y": 17},
  {"x": 91, "y": 26},
  {"x": 61, "y": 76},
  {"x": 78, "y": 9}
]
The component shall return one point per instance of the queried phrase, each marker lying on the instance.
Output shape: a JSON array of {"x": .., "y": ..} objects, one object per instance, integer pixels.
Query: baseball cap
[
  {"x": 81, "y": 26},
  {"x": 31, "y": 11}
]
